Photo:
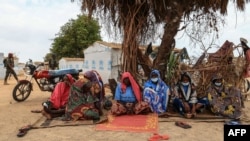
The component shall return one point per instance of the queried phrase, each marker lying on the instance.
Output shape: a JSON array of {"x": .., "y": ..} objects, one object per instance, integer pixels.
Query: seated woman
[
  {"x": 224, "y": 101},
  {"x": 156, "y": 93},
  {"x": 55, "y": 106},
  {"x": 95, "y": 77},
  {"x": 185, "y": 97},
  {"x": 128, "y": 97},
  {"x": 81, "y": 102}
]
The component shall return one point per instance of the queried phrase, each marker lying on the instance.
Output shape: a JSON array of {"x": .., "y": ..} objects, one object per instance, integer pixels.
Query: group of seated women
[
  {"x": 76, "y": 99},
  {"x": 84, "y": 98}
]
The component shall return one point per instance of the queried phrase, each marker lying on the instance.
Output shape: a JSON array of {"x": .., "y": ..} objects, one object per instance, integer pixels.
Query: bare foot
[
  {"x": 47, "y": 115},
  {"x": 188, "y": 115}
]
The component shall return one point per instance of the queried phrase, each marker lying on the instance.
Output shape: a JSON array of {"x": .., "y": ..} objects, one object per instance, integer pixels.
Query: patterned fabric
[
  {"x": 94, "y": 76},
  {"x": 130, "y": 108},
  {"x": 81, "y": 102},
  {"x": 225, "y": 101},
  {"x": 156, "y": 94},
  {"x": 98, "y": 87}
]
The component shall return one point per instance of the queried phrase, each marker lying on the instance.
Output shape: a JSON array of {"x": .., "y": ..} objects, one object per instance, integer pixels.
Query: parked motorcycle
[{"x": 45, "y": 79}]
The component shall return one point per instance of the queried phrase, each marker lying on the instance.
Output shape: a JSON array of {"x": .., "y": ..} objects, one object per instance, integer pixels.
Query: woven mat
[{"x": 130, "y": 123}]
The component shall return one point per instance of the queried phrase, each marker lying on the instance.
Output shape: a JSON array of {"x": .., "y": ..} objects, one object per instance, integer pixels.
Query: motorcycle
[{"x": 45, "y": 79}]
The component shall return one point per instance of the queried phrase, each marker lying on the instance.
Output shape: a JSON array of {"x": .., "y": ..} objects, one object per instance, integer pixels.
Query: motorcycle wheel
[{"x": 21, "y": 91}]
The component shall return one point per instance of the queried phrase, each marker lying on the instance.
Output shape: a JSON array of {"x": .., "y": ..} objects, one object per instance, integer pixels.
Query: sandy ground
[{"x": 14, "y": 115}]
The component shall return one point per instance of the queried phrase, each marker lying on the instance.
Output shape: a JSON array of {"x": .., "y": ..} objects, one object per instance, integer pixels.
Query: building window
[
  {"x": 70, "y": 66},
  {"x": 107, "y": 49},
  {"x": 101, "y": 65},
  {"x": 109, "y": 65},
  {"x": 86, "y": 64},
  {"x": 93, "y": 64}
]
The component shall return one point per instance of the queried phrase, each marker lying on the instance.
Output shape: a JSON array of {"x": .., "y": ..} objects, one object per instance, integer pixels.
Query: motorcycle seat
[{"x": 62, "y": 72}]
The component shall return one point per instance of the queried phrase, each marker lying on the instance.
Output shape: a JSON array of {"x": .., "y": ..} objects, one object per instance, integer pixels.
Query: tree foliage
[
  {"x": 138, "y": 21},
  {"x": 74, "y": 36}
]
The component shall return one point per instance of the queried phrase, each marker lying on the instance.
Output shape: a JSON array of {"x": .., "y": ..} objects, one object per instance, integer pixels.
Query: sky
[
  {"x": 237, "y": 25},
  {"x": 28, "y": 27}
]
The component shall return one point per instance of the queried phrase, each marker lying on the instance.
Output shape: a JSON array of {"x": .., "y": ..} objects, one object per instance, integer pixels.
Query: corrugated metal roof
[
  {"x": 111, "y": 45},
  {"x": 118, "y": 45},
  {"x": 142, "y": 47},
  {"x": 72, "y": 59}
]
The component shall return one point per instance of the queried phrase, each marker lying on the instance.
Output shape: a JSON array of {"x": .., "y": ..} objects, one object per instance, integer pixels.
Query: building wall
[
  {"x": 103, "y": 59},
  {"x": 63, "y": 64},
  {"x": 116, "y": 63},
  {"x": 2, "y": 69},
  {"x": 98, "y": 57}
]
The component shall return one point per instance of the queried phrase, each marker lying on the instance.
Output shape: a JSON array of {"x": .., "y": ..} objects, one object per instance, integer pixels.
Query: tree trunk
[
  {"x": 167, "y": 44},
  {"x": 145, "y": 62}
]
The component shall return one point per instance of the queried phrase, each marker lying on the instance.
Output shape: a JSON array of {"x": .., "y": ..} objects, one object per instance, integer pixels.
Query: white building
[
  {"x": 104, "y": 58},
  {"x": 2, "y": 69},
  {"x": 101, "y": 56},
  {"x": 71, "y": 63}
]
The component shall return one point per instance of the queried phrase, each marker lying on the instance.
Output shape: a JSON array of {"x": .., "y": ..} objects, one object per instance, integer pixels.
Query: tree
[
  {"x": 75, "y": 36},
  {"x": 138, "y": 21}
]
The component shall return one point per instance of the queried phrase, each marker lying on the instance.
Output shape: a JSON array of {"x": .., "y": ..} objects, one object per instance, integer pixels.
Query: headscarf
[
  {"x": 94, "y": 76},
  {"x": 157, "y": 87},
  {"x": 215, "y": 77},
  {"x": 60, "y": 95},
  {"x": 134, "y": 85},
  {"x": 159, "y": 97},
  {"x": 186, "y": 74}
]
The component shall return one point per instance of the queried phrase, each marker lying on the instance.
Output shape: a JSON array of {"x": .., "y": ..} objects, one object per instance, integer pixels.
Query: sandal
[
  {"x": 163, "y": 115},
  {"x": 182, "y": 124},
  {"x": 23, "y": 131},
  {"x": 157, "y": 137},
  {"x": 25, "y": 128}
]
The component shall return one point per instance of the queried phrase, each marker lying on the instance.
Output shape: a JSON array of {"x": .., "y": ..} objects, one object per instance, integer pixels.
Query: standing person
[
  {"x": 128, "y": 97},
  {"x": 52, "y": 62},
  {"x": 246, "y": 50},
  {"x": 156, "y": 93},
  {"x": 9, "y": 64},
  {"x": 185, "y": 97}
]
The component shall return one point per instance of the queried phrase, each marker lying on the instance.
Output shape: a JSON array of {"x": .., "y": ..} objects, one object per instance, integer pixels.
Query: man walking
[{"x": 9, "y": 63}]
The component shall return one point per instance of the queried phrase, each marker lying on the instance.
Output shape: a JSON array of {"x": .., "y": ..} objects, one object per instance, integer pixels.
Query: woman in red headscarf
[
  {"x": 128, "y": 97},
  {"x": 56, "y": 104}
]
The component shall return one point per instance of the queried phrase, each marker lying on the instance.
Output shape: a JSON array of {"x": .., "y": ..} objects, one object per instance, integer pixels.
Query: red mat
[{"x": 131, "y": 123}]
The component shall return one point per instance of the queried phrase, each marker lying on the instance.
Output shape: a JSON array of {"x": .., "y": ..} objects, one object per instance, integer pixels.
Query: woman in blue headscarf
[{"x": 156, "y": 93}]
